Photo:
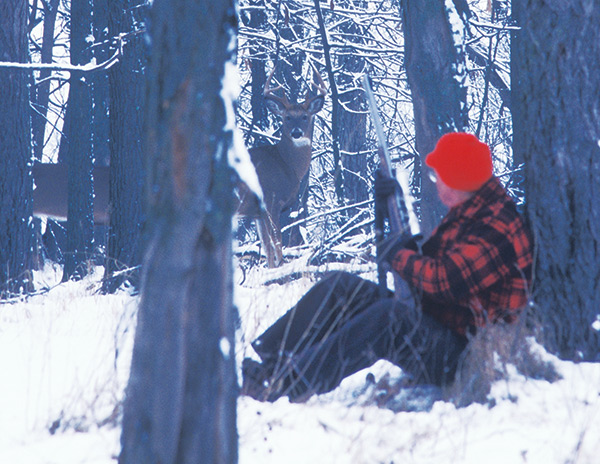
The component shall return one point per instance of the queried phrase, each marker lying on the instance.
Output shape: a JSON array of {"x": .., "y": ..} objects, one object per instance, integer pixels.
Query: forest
[{"x": 131, "y": 135}]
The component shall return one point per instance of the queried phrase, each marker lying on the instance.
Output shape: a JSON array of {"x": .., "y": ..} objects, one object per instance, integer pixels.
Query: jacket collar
[{"x": 489, "y": 192}]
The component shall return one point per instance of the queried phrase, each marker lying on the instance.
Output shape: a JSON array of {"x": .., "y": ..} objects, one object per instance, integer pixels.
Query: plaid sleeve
[{"x": 466, "y": 269}]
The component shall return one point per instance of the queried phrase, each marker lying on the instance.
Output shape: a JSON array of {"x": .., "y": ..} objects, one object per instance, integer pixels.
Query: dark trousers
[{"x": 343, "y": 325}]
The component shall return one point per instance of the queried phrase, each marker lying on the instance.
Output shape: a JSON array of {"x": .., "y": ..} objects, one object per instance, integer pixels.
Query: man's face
[{"x": 449, "y": 196}]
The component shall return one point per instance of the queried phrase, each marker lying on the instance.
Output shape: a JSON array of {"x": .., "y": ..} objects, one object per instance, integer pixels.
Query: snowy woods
[{"x": 150, "y": 108}]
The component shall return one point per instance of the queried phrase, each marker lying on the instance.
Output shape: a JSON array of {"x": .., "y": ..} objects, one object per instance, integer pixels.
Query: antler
[
  {"x": 269, "y": 91},
  {"x": 321, "y": 87}
]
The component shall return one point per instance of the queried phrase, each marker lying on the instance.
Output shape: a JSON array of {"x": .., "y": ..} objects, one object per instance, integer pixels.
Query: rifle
[{"x": 398, "y": 212}]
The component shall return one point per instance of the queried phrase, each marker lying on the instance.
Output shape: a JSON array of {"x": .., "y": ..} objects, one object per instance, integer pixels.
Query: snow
[
  {"x": 457, "y": 29},
  {"x": 65, "y": 354},
  {"x": 402, "y": 177},
  {"x": 238, "y": 156},
  {"x": 596, "y": 323}
]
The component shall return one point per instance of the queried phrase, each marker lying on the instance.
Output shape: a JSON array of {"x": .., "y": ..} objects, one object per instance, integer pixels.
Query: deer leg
[
  {"x": 278, "y": 242},
  {"x": 268, "y": 233},
  {"x": 265, "y": 240}
]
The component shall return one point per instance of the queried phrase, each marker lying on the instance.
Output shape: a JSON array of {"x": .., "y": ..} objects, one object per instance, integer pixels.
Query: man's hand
[
  {"x": 388, "y": 248},
  {"x": 384, "y": 187}
]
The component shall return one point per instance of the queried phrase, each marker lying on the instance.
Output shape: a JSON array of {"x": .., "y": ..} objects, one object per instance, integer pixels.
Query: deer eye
[{"x": 305, "y": 118}]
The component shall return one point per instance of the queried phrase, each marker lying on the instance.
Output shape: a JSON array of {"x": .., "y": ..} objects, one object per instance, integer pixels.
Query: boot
[{"x": 258, "y": 382}]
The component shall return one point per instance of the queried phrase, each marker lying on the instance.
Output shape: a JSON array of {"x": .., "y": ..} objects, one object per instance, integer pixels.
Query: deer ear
[
  {"x": 275, "y": 106},
  {"x": 316, "y": 104}
]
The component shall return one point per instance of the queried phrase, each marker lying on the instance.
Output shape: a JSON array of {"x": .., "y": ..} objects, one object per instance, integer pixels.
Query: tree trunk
[
  {"x": 256, "y": 19},
  {"x": 100, "y": 85},
  {"x": 436, "y": 71},
  {"x": 127, "y": 97},
  {"x": 16, "y": 186},
  {"x": 42, "y": 91},
  {"x": 353, "y": 118},
  {"x": 556, "y": 120},
  {"x": 80, "y": 223},
  {"x": 181, "y": 398}
]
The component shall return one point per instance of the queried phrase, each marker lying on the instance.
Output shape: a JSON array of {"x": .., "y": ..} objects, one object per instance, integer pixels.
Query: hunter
[{"x": 474, "y": 270}]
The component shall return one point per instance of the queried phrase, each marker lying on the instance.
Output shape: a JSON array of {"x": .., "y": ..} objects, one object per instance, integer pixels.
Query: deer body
[
  {"x": 281, "y": 167},
  {"x": 50, "y": 196}
]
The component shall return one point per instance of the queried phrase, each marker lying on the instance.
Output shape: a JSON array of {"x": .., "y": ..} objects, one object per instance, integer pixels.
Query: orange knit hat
[{"x": 461, "y": 161}]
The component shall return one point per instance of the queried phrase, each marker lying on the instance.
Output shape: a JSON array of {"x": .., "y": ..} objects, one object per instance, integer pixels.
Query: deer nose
[{"x": 296, "y": 133}]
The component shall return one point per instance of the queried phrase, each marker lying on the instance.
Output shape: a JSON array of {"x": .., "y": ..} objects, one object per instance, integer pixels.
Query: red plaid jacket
[{"x": 476, "y": 267}]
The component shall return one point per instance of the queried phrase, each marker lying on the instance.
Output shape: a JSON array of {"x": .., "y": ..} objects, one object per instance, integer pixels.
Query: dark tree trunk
[
  {"x": 257, "y": 20},
  {"x": 80, "y": 223},
  {"x": 290, "y": 60},
  {"x": 16, "y": 185},
  {"x": 436, "y": 70},
  {"x": 101, "y": 95},
  {"x": 556, "y": 120},
  {"x": 42, "y": 90},
  {"x": 338, "y": 173},
  {"x": 127, "y": 97},
  {"x": 353, "y": 119},
  {"x": 181, "y": 398}
]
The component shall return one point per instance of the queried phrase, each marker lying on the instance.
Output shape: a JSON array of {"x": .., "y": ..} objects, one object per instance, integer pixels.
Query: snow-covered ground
[{"x": 64, "y": 360}]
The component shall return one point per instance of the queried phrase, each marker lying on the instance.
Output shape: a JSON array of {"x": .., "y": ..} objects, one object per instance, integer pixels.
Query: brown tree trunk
[
  {"x": 556, "y": 120},
  {"x": 181, "y": 398}
]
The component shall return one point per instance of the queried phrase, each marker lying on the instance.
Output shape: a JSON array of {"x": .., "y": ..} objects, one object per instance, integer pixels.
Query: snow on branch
[{"x": 89, "y": 67}]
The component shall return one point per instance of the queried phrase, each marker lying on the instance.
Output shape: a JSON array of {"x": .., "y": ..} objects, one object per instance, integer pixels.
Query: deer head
[{"x": 297, "y": 118}]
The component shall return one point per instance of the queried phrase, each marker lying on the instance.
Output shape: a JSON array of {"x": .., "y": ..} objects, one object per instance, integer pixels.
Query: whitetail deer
[
  {"x": 50, "y": 197},
  {"x": 281, "y": 167}
]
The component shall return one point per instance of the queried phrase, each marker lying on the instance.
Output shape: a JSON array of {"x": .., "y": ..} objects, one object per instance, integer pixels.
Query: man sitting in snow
[{"x": 475, "y": 269}]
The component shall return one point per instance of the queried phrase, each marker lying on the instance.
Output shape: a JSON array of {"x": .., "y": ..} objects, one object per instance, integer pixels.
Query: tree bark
[
  {"x": 436, "y": 71},
  {"x": 16, "y": 185},
  {"x": 257, "y": 20},
  {"x": 80, "y": 222},
  {"x": 556, "y": 120},
  {"x": 127, "y": 97},
  {"x": 100, "y": 84},
  {"x": 181, "y": 398},
  {"x": 353, "y": 117}
]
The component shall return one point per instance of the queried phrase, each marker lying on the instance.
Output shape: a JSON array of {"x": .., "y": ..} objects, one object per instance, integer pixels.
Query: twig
[{"x": 326, "y": 213}]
